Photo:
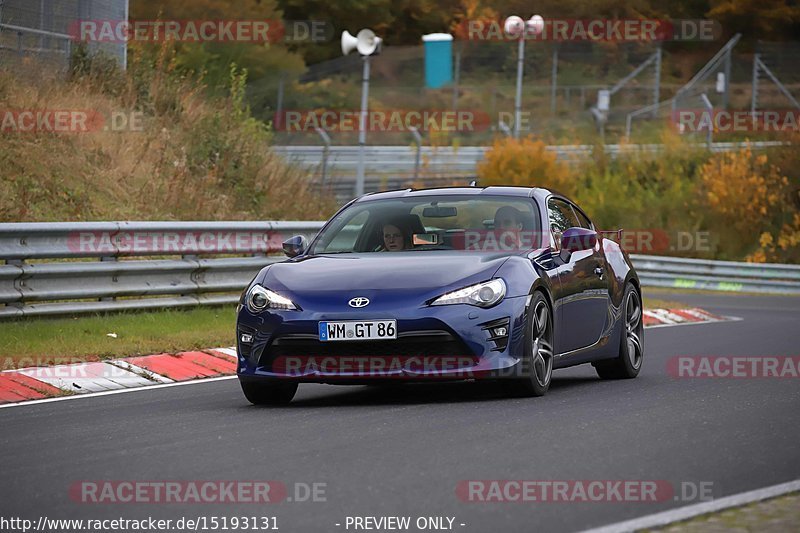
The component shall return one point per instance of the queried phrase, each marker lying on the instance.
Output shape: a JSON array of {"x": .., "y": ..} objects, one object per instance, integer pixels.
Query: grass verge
[
  {"x": 45, "y": 341},
  {"x": 775, "y": 515}
]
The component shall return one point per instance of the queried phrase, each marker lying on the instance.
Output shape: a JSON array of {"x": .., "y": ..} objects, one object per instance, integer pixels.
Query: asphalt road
[{"x": 402, "y": 451}]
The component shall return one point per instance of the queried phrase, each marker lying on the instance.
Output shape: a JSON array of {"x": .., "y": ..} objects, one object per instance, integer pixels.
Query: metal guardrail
[
  {"x": 95, "y": 275},
  {"x": 448, "y": 161},
  {"x": 729, "y": 276},
  {"x": 70, "y": 268}
]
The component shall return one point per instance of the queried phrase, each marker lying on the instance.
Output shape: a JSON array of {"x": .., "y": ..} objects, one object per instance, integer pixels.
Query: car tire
[
  {"x": 537, "y": 364},
  {"x": 631, "y": 349},
  {"x": 268, "y": 392}
]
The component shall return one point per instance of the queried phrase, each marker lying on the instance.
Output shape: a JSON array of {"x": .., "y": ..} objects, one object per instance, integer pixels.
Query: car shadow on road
[{"x": 430, "y": 393}]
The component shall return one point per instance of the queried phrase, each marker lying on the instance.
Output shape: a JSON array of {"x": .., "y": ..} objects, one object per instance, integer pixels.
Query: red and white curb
[
  {"x": 655, "y": 318},
  {"x": 42, "y": 383},
  {"x": 38, "y": 383}
]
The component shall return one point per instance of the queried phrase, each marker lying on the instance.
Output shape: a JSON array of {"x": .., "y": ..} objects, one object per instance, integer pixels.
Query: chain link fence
[
  {"x": 45, "y": 31},
  {"x": 562, "y": 83},
  {"x": 557, "y": 99}
]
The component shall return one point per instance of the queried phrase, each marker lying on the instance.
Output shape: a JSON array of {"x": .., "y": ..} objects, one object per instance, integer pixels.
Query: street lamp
[
  {"x": 367, "y": 44},
  {"x": 516, "y": 27}
]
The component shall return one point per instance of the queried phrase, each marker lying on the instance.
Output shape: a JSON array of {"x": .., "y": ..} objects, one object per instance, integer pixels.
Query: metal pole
[
  {"x": 418, "y": 141},
  {"x": 554, "y": 81},
  {"x": 362, "y": 128},
  {"x": 727, "y": 70},
  {"x": 754, "y": 95},
  {"x": 456, "y": 78},
  {"x": 279, "y": 104},
  {"x": 125, "y": 43},
  {"x": 41, "y": 25},
  {"x": 710, "y": 108},
  {"x": 326, "y": 147},
  {"x": 518, "y": 99},
  {"x": 657, "y": 81}
]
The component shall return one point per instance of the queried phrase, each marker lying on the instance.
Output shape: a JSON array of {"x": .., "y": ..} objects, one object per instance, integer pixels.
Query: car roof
[{"x": 536, "y": 192}]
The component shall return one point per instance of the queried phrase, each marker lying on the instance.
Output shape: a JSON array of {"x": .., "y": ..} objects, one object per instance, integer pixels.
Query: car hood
[{"x": 407, "y": 272}]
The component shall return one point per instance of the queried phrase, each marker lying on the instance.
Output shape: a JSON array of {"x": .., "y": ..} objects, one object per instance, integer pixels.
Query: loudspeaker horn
[
  {"x": 368, "y": 42},
  {"x": 349, "y": 42}
]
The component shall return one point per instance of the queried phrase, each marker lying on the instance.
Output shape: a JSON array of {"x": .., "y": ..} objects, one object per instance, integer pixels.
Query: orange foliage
[{"x": 524, "y": 162}]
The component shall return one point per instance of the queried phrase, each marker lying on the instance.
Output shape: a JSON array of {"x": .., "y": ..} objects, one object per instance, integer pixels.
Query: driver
[{"x": 393, "y": 237}]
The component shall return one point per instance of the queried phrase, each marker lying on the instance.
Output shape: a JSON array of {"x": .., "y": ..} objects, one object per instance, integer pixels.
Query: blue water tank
[{"x": 438, "y": 59}]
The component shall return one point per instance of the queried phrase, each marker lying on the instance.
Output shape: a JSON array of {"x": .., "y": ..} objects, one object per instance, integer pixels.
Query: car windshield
[{"x": 420, "y": 223}]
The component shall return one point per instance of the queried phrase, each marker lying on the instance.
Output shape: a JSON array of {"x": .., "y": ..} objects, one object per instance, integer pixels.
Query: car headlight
[
  {"x": 259, "y": 298},
  {"x": 484, "y": 294}
]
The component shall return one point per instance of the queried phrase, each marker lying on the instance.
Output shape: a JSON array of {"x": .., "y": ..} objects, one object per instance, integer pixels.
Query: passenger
[{"x": 508, "y": 224}]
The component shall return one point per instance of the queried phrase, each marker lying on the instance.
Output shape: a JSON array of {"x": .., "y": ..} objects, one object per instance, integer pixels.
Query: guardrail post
[
  {"x": 326, "y": 149},
  {"x": 109, "y": 259},
  {"x": 196, "y": 276},
  {"x": 417, "y": 141},
  {"x": 18, "y": 282}
]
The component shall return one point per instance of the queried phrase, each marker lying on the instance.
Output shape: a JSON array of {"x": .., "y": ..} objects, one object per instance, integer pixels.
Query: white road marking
[
  {"x": 691, "y": 511},
  {"x": 656, "y": 316},
  {"x": 226, "y": 351},
  {"x": 112, "y": 392},
  {"x": 83, "y": 378},
  {"x": 141, "y": 371}
]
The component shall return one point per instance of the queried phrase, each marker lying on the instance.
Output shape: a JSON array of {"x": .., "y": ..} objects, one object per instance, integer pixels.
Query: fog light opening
[{"x": 498, "y": 331}]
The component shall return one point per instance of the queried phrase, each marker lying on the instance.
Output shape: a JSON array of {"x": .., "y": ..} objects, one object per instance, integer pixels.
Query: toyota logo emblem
[{"x": 358, "y": 301}]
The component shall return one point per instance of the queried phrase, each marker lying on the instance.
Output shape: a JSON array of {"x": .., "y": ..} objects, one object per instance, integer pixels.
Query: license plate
[{"x": 358, "y": 330}]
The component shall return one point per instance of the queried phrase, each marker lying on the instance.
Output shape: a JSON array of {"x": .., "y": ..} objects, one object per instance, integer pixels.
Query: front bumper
[{"x": 434, "y": 342}]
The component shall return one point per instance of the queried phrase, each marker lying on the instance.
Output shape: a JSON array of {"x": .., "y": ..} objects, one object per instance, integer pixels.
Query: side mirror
[
  {"x": 577, "y": 239},
  {"x": 295, "y": 246}
]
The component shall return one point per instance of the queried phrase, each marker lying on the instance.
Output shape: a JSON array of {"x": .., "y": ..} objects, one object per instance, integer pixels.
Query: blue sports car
[{"x": 441, "y": 284}]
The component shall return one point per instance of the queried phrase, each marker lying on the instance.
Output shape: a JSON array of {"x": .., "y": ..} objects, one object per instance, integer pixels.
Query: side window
[
  {"x": 562, "y": 217},
  {"x": 345, "y": 239},
  {"x": 584, "y": 221}
]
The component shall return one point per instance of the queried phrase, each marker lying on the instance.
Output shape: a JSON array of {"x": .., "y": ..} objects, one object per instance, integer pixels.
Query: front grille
[{"x": 420, "y": 344}]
